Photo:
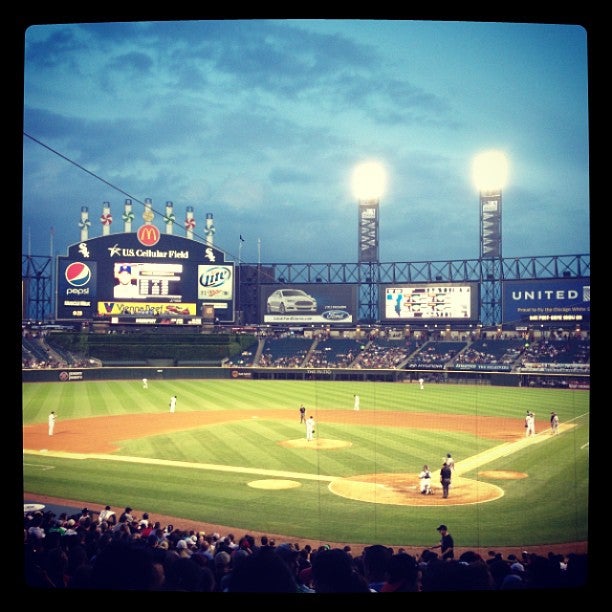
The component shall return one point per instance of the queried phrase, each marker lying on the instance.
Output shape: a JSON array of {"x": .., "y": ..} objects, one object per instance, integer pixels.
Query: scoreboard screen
[
  {"x": 118, "y": 279},
  {"x": 430, "y": 302}
]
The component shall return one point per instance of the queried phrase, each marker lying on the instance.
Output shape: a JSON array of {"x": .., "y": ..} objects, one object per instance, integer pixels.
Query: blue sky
[{"x": 262, "y": 123}]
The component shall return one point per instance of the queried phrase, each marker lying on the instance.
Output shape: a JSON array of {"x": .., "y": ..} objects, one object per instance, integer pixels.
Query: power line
[{"x": 111, "y": 185}]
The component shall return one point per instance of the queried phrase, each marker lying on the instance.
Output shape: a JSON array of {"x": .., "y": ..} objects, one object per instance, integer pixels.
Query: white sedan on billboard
[{"x": 290, "y": 301}]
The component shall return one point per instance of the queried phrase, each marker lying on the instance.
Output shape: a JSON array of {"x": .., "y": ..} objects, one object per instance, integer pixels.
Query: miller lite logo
[
  {"x": 78, "y": 274},
  {"x": 148, "y": 235}
]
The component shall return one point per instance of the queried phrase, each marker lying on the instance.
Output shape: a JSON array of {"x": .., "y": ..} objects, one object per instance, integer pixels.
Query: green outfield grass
[{"x": 549, "y": 506}]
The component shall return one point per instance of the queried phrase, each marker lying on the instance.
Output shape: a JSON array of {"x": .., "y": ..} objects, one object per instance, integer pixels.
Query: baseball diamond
[{"x": 79, "y": 438}]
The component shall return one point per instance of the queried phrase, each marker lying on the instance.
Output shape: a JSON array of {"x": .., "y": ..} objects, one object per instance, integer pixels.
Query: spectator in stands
[
  {"x": 126, "y": 516},
  {"x": 107, "y": 516},
  {"x": 85, "y": 517},
  {"x": 375, "y": 562},
  {"x": 333, "y": 572},
  {"x": 262, "y": 572},
  {"x": 290, "y": 555},
  {"x": 402, "y": 574},
  {"x": 124, "y": 566},
  {"x": 188, "y": 575}
]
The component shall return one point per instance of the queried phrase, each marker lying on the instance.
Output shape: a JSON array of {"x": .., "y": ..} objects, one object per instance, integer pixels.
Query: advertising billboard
[
  {"x": 309, "y": 304},
  {"x": 131, "y": 278},
  {"x": 430, "y": 302},
  {"x": 561, "y": 300}
]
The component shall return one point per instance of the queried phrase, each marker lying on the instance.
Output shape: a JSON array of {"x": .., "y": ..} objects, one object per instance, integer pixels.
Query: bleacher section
[
  {"x": 33, "y": 351},
  {"x": 335, "y": 353},
  {"x": 565, "y": 355},
  {"x": 517, "y": 354},
  {"x": 285, "y": 352},
  {"x": 490, "y": 353},
  {"x": 385, "y": 353},
  {"x": 247, "y": 356},
  {"x": 435, "y": 354}
]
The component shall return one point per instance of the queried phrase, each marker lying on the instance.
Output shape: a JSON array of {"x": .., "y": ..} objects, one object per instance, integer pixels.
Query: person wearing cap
[
  {"x": 445, "y": 478},
  {"x": 173, "y": 403},
  {"x": 447, "y": 543},
  {"x": 125, "y": 288},
  {"x": 449, "y": 461},
  {"x": 554, "y": 423}
]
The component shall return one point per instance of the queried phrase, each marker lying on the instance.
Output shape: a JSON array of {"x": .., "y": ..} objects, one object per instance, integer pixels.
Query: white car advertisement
[{"x": 332, "y": 304}]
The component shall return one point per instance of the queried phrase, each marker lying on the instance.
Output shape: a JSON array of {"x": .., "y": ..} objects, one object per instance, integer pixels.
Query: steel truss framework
[{"x": 37, "y": 275}]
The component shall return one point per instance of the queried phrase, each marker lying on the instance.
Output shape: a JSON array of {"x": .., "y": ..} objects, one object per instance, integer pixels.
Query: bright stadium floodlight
[
  {"x": 369, "y": 181},
  {"x": 490, "y": 171}
]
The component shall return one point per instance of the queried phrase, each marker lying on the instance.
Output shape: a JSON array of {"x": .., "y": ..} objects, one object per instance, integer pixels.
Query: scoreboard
[
  {"x": 169, "y": 281},
  {"x": 433, "y": 302}
]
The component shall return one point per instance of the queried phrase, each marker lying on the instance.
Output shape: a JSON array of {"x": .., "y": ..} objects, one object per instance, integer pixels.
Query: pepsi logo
[{"x": 78, "y": 274}]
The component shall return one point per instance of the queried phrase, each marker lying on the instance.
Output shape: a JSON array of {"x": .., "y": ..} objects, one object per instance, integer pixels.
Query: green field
[{"x": 550, "y": 506}]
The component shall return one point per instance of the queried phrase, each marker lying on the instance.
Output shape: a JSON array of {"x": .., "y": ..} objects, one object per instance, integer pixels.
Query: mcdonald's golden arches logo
[{"x": 148, "y": 235}]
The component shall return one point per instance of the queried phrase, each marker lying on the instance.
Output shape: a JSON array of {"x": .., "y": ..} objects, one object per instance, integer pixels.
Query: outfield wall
[{"x": 506, "y": 379}]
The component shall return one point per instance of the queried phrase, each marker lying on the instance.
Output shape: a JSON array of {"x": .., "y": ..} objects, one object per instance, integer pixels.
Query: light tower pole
[
  {"x": 369, "y": 180},
  {"x": 490, "y": 172}
]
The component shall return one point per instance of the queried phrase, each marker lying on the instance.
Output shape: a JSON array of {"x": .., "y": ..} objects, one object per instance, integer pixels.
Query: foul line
[{"x": 508, "y": 448}]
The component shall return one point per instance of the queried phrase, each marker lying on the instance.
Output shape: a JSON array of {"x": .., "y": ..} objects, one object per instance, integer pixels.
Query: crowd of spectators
[
  {"x": 103, "y": 551},
  {"x": 557, "y": 353}
]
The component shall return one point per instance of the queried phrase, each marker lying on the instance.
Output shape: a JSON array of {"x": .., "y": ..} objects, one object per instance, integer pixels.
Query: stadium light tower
[
  {"x": 490, "y": 173},
  {"x": 369, "y": 181}
]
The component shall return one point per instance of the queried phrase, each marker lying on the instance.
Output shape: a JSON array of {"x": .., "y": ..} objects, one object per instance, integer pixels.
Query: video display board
[
  {"x": 561, "y": 300},
  {"x": 136, "y": 278},
  {"x": 433, "y": 302},
  {"x": 309, "y": 303}
]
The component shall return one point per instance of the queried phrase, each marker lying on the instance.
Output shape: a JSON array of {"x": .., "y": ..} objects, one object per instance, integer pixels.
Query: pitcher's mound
[
  {"x": 403, "y": 490},
  {"x": 316, "y": 444}
]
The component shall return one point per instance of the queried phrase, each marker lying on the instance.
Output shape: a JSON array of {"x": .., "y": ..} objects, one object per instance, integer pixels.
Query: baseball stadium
[{"x": 400, "y": 364}]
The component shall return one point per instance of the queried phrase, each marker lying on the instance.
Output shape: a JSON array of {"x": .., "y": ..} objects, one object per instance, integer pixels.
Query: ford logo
[{"x": 335, "y": 315}]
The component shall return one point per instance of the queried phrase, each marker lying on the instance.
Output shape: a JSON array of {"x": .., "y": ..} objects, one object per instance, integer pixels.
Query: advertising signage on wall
[
  {"x": 309, "y": 303},
  {"x": 561, "y": 300},
  {"x": 435, "y": 302},
  {"x": 119, "y": 279}
]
